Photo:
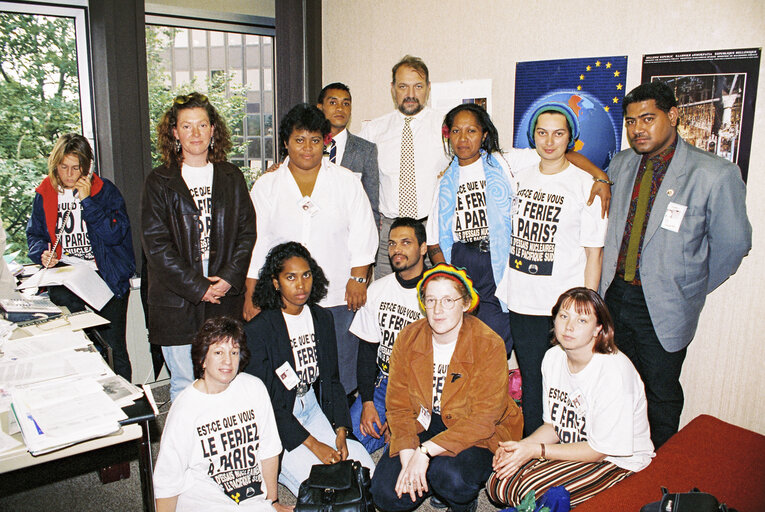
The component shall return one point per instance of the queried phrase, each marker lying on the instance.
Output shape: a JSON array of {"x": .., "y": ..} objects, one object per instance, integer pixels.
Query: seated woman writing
[
  {"x": 447, "y": 401},
  {"x": 220, "y": 447},
  {"x": 595, "y": 431},
  {"x": 294, "y": 351}
]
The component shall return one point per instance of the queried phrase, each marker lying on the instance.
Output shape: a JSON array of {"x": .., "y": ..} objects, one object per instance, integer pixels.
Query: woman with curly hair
[
  {"x": 194, "y": 468},
  {"x": 294, "y": 352},
  {"x": 198, "y": 230}
]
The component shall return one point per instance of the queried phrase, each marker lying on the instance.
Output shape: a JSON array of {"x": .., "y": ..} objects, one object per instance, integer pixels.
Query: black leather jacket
[{"x": 170, "y": 236}]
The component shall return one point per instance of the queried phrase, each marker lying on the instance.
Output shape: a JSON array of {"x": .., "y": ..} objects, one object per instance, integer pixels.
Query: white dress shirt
[
  {"x": 341, "y": 139},
  {"x": 429, "y": 156},
  {"x": 336, "y": 226}
]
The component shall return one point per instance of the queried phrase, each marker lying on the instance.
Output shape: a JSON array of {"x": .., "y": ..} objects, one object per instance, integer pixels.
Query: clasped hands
[
  {"x": 218, "y": 288},
  {"x": 511, "y": 455}
]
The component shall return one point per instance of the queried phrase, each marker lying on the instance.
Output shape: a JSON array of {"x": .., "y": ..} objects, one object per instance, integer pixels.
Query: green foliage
[{"x": 39, "y": 101}]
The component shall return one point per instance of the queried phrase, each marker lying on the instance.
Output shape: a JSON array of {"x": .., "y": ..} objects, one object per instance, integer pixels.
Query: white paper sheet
[{"x": 81, "y": 280}]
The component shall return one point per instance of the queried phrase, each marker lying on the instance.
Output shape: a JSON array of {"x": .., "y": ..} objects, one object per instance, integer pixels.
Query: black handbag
[
  {"x": 693, "y": 501},
  {"x": 340, "y": 487}
]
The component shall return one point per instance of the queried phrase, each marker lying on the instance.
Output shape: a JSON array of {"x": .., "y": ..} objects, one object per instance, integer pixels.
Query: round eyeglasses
[{"x": 446, "y": 302}]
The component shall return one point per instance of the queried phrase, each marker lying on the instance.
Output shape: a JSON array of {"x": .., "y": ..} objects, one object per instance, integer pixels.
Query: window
[
  {"x": 44, "y": 93},
  {"x": 234, "y": 68}
]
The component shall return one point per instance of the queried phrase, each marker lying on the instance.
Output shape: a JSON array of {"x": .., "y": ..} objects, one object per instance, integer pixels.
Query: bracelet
[
  {"x": 344, "y": 429},
  {"x": 601, "y": 180},
  {"x": 543, "y": 450}
]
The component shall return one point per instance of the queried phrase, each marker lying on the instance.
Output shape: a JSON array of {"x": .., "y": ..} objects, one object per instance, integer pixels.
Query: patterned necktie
[
  {"x": 407, "y": 185},
  {"x": 630, "y": 262},
  {"x": 333, "y": 152}
]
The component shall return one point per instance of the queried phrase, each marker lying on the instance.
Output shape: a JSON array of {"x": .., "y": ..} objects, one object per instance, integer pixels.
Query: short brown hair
[
  {"x": 166, "y": 145},
  {"x": 216, "y": 330},
  {"x": 416, "y": 64},
  {"x": 587, "y": 301},
  {"x": 69, "y": 144}
]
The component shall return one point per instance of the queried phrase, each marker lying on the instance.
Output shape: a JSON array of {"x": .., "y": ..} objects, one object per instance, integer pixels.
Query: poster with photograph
[
  {"x": 716, "y": 92},
  {"x": 444, "y": 96},
  {"x": 592, "y": 87}
]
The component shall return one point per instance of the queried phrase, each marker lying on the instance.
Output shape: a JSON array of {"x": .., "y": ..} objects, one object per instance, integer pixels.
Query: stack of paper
[{"x": 58, "y": 413}]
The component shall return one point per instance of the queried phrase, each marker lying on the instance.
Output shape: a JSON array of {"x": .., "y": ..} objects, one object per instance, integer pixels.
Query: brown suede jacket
[{"x": 475, "y": 406}]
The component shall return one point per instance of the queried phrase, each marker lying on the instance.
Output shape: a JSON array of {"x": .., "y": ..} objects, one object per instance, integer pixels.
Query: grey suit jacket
[
  {"x": 678, "y": 270},
  {"x": 361, "y": 156}
]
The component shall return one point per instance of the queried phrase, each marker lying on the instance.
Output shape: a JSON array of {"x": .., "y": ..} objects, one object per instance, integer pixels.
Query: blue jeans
[
  {"x": 454, "y": 480},
  {"x": 369, "y": 442},
  {"x": 178, "y": 360},
  {"x": 347, "y": 346},
  {"x": 296, "y": 464}
]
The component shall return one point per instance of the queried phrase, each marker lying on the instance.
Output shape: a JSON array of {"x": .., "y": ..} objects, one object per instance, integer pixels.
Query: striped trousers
[{"x": 582, "y": 480}]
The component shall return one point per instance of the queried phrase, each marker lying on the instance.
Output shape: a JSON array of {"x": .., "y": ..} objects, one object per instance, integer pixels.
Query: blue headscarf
[{"x": 499, "y": 199}]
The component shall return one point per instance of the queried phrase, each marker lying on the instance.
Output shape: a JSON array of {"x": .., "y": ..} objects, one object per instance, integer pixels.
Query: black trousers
[
  {"x": 455, "y": 480},
  {"x": 659, "y": 369},
  {"x": 532, "y": 335}
]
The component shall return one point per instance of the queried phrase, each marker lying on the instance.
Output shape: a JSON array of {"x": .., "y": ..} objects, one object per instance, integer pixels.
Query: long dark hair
[
  {"x": 490, "y": 143},
  {"x": 268, "y": 297}
]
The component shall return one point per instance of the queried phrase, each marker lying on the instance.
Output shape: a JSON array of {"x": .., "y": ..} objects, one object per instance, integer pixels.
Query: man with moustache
[
  {"x": 677, "y": 230},
  {"x": 352, "y": 152},
  {"x": 391, "y": 305},
  {"x": 410, "y": 151}
]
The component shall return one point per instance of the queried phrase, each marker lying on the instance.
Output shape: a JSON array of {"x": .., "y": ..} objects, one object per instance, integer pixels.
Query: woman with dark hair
[
  {"x": 557, "y": 244},
  {"x": 79, "y": 218},
  {"x": 294, "y": 351},
  {"x": 470, "y": 223},
  {"x": 595, "y": 431},
  {"x": 447, "y": 401},
  {"x": 220, "y": 446},
  {"x": 198, "y": 231},
  {"x": 323, "y": 206}
]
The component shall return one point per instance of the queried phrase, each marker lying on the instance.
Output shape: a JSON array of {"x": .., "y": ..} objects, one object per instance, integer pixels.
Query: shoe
[
  {"x": 470, "y": 508},
  {"x": 436, "y": 503}
]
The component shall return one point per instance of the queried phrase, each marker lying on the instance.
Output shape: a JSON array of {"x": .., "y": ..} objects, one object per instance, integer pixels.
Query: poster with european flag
[{"x": 592, "y": 87}]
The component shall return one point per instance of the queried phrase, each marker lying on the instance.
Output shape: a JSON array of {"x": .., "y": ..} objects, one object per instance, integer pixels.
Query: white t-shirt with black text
[
  {"x": 213, "y": 446},
  {"x": 552, "y": 225},
  {"x": 603, "y": 404},
  {"x": 199, "y": 180},
  {"x": 389, "y": 308},
  {"x": 73, "y": 229},
  {"x": 442, "y": 355},
  {"x": 303, "y": 341}
]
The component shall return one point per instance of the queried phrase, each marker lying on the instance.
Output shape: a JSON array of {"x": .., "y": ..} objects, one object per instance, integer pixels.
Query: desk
[{"x": 135, "y": 427}]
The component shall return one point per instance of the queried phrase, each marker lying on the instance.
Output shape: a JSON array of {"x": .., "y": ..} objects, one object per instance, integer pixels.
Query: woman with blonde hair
[{"x": 79, "y": 218}]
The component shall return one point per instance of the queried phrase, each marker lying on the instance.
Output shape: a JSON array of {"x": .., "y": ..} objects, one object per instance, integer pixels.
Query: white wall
[{"x": 362, "y": 39}]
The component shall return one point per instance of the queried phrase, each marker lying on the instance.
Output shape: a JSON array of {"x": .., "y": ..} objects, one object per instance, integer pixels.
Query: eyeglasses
[
  {"x": 182, "y": 100},
  {"x": 446, "y": 302}
]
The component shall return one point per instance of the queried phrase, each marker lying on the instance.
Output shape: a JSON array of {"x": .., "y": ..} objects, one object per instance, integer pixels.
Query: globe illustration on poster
[{"x": 597, "y": 133}]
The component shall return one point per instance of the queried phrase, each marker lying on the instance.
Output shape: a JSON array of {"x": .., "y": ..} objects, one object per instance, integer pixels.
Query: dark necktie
[{"x": 630, "y": 262}]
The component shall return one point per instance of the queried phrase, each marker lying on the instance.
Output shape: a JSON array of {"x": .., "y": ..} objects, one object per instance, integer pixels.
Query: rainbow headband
[{"x": 457, "y": 274}]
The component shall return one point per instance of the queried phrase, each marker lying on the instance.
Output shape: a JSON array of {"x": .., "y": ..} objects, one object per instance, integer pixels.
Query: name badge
[
  {"x": 308, "y": 206},
  {"x": 424, "y": 417},
  {"x": 287, "y": 375},
  {"x": 673, "y": 217}
]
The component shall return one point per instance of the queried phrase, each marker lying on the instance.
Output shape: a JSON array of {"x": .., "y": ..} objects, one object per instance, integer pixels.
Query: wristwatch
[
  {"x": 424, "y": 449},
  {"x": 361, "y": 280}
]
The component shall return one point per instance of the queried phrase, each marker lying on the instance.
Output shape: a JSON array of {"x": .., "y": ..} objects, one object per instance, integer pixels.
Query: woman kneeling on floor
[
  {"x": 595, "y": 431},
  {"x": 447, "y": 401},
  {"x": 220, "y": 447}
]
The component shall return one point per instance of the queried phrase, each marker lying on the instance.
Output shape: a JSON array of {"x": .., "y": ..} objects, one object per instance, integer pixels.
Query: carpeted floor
[{"x": 73, "y": 484}]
